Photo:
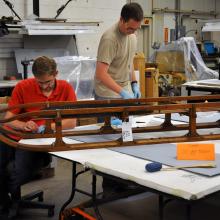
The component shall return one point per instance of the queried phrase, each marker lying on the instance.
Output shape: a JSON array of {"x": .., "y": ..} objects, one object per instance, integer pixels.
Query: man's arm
[
  {"x": 103, "y": 75},
  {"x": 33, "y": 127},
  {"x": 20, "y": 125},
  {"x": 68, "y": 123}
]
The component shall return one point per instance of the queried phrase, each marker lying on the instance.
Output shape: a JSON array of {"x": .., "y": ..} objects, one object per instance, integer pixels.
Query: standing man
[
  {"x": 19, "y": 166},
  {"x": 114, "y": 77}
]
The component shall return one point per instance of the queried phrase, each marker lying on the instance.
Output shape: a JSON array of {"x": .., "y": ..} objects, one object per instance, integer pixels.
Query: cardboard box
[
  {"x": 4, "y": 100},
  {"x": 151, "y": 82},
  {"x": 139, "y": 64}
]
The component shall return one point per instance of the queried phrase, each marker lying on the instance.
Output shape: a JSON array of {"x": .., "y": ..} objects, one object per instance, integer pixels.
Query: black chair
[
  {"x": 27, "y": 202},
  {"x": 33, "y": 200}
]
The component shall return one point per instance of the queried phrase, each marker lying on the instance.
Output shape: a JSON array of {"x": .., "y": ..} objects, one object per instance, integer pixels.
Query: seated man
[{"x": 19, "y": 166}]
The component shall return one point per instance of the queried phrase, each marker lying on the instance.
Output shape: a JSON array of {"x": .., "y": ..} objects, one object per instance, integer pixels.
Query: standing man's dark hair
[{"x": 132, "y": 11}]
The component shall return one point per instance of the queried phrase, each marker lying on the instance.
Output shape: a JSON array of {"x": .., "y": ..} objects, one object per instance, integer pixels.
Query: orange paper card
[{"x": 195, "y": 151}]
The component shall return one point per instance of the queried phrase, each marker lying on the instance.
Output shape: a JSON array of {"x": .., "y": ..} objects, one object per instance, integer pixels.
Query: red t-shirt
[{"x": 28, "y": 91}]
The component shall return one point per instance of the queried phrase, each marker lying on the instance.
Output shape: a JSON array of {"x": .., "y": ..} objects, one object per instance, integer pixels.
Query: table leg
[
  {"x": 189, "y": 92},
  {"x": 74, "y": 176},
  {"x": 188, "y": 211},
  {"x": 160, "y": 207}
]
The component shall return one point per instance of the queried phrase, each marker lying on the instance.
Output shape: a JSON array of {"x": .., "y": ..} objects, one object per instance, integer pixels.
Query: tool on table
[{"x": 156, "y": 166}]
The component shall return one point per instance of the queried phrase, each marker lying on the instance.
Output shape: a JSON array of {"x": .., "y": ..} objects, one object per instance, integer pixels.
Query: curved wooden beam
[{"x": 56, "y": 111}]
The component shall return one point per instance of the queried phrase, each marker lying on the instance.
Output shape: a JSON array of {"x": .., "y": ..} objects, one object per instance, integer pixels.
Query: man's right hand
[
  {"x": 30, "y": 126},
  {"x": 126, "y": 95}
]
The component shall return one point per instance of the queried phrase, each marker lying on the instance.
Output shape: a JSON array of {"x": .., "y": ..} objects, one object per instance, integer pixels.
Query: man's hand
[
  {"x": 126, "y": 95},
  {"x": 136, "y": 90},
  {"x": 116, "y": 121},
  {"x": 41, "y": 129},
  {"x": 30, "y": 126}
]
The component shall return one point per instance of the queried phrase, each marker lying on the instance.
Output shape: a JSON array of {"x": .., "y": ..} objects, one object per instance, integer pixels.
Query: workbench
[
  {"x": 209, "y": 85},
  {"x": 182, "y": 185}
]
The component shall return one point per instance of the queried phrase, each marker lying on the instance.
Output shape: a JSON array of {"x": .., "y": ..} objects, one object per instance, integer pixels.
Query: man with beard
[{"x": 19, "y": 166}]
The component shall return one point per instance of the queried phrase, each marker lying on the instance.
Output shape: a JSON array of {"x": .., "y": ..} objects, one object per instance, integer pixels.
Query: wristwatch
[{"x": 132, "y": 82}]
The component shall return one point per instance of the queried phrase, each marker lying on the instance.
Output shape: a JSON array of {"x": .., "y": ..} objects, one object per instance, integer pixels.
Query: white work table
[
  {"x": 180, "y": 183},
  {"x": 8, "y": 83}
]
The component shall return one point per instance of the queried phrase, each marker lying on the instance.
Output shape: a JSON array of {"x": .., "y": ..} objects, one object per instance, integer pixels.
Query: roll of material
[
  {"x": 156, "y": 166},
  {"x": 153, "y": 167}
]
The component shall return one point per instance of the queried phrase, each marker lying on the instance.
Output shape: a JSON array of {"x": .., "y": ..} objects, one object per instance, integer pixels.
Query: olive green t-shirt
[{"x": 117, "y": 50}]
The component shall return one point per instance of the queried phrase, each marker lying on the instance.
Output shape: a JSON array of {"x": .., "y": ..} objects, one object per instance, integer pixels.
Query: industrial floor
[{"x": 140, "y": 207}]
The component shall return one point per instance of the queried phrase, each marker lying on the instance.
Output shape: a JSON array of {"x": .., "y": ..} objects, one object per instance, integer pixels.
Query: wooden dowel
[{"x": 204, "y": 165}]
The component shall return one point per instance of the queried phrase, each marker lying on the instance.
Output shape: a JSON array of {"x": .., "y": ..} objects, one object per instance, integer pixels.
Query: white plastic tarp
[
  {"x": 195, "y": 67},
  {"x": 79, "y": 72}
]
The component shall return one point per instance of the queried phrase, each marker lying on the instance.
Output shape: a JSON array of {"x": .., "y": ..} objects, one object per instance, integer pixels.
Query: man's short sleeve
[
  {"x": 106, "y": 51},
  {"x": 16, "y": 98}
]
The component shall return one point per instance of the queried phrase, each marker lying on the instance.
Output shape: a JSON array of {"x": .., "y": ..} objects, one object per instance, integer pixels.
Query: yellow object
[
  {"x": 4, "y": 100},
  {"x": 170, "y": 61},
  {"x": 151, "y": 82}
]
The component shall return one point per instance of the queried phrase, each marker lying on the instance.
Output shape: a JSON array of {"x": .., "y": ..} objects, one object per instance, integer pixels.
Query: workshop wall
[
  {"x": 218, "y": 7},
  {"x": 105, "y": 11},
  {"x": 9, "y": 42},
  {"x": 161, "y": 20},
  {"x": 216, "y": 35},
  {"x": 192, "y": 23}
]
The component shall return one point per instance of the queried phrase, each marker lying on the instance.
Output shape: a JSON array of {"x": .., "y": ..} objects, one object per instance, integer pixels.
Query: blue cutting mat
[{"x": 166, "y": 154}]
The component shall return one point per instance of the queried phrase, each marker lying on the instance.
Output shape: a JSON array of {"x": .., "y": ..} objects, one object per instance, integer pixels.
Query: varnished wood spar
[
  {"x": 113, "y": 103},
  {"x": 56, "y": 111},
  {"x": 114, "y": 111}
]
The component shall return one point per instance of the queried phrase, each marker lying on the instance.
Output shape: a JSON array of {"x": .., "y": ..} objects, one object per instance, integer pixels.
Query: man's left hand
[
  {"x": 136, "y": 90},
  {"x": 41, "y": 129},
  {"x": 116, "y": 121}
]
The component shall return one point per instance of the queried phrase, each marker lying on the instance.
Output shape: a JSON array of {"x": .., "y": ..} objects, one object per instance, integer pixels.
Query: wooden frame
[{"x": 56, "y": 111}]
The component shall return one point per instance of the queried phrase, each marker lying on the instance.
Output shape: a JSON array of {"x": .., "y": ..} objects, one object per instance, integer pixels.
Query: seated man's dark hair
[{"x": 44, "y": 65}]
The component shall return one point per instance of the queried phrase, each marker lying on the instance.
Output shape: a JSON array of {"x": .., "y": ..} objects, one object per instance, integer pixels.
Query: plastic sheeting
[
  {"x": 79, "y": 72},
  {"x": 193, "y": 64},
  {"x": 195, "y": 67}
]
